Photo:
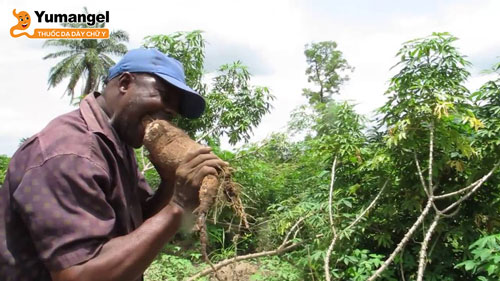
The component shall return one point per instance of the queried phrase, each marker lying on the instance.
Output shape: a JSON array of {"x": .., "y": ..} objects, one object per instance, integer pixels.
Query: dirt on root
[{"x": 240, "y": 271}]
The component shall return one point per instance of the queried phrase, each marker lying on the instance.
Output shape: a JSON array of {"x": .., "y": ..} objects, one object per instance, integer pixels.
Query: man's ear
[{"x": 124, "y": 81}]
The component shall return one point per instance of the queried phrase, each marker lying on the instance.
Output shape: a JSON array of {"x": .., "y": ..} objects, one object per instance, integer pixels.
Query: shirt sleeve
[{"x": 63, "y": 205}]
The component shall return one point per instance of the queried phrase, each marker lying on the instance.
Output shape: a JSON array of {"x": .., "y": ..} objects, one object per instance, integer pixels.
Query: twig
[{"x": 423, "y": 249}]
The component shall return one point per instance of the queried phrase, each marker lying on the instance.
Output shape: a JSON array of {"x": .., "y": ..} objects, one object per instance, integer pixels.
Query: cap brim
[{"x": 192, "y": 104}]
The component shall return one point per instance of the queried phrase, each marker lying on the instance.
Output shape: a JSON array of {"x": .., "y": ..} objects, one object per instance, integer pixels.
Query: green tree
[
  {"x": 326, "y": 69},
  {"x": 87, "y": 59},
  {"x": 186, "y": 47},
  {"x": 234, "y": 106}
]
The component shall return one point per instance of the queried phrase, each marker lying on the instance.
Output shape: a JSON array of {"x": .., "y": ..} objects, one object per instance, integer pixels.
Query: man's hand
[{"x": 189, "y": 175}]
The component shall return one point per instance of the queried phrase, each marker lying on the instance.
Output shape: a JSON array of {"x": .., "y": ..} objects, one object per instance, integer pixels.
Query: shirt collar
[{"x": 98, "y": 121}]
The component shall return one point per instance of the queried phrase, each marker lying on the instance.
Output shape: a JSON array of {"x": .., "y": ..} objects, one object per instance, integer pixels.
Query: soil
[{"x": 240, "y": 271}]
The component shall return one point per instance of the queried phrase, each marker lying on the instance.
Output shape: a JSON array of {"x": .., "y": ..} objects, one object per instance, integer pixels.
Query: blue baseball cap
[{"x": 167, "y": 68}]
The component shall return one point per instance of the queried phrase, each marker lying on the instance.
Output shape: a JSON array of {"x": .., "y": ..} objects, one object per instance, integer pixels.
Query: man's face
[{"x": 145, "y": 95}]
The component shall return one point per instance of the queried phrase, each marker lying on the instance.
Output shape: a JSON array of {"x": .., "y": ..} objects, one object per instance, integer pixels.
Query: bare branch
[
  {"x": 285, "y": 241},
  {"x": 334, "y": 231},
  {"x": 330, "y": 196},
  {"x": 431, "y": 150},
  {"x": 368, "y": 208},
  {"x": 476, "y": 187},
  {"x": 423, "y": 249},
  {"x": 403, "y": 241},
  {"x": 401, "y": 265},
  {"x": 336, "y": 237},
  {"x": 327, "y": 257},
  {"x": 421, "y": 176},
  {"x": 471, "y": 186}
]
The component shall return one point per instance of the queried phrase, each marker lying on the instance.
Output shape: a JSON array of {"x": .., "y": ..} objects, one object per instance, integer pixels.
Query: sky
[{"x": 268, "y": 36}]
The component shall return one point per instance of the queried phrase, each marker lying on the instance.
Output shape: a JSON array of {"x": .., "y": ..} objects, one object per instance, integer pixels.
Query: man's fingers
[
  {"x": 202, "y": 173},
  {"x": 202, "y": 158},
  {"x": 193, "y": 153}
]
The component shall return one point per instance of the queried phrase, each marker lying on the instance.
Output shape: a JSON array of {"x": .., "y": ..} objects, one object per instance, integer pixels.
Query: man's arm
[
  {"x": 127, "y": 257},
  {"x": 160, "y": 199}
]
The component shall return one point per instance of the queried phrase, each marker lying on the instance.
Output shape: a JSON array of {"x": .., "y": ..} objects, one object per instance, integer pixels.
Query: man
[{"x": 74, "y": 205}]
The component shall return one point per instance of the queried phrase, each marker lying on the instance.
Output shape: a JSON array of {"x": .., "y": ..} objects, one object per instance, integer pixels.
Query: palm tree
[{"x": 86, "y": 59}]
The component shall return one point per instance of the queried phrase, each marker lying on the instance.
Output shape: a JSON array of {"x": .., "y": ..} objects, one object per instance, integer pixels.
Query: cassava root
[{"x": 167, "y": 146}]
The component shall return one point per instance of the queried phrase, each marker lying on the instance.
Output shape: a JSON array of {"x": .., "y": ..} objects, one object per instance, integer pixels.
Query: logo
[{"x": 24, "y": 21}]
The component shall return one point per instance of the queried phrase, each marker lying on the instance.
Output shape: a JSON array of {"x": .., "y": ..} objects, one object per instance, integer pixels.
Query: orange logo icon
[{"x": 24, "y": 21}]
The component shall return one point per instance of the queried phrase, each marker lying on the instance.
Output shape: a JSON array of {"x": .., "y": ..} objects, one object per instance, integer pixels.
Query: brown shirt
[{"x": 68, "y": 190}]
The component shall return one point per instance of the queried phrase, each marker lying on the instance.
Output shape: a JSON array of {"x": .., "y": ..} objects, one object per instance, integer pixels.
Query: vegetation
[
  {"x": 374, "y": 202},
  {"x": 4, "y": 162}
]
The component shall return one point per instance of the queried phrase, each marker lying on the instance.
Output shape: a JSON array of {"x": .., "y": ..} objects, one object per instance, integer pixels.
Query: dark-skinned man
[{"x": 74, "y": 205}]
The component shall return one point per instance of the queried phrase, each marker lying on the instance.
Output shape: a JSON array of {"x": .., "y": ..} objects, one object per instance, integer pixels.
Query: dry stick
[
  {"x": 423, "y": 249},
  {"x": 403, "y": 241},
  {"x": 334, "y": 239},
  {"x": 284, "y": 247}
]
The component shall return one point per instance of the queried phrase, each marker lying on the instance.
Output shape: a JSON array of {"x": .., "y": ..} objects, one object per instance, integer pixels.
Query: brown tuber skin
[{"x": 167, "y": 146}]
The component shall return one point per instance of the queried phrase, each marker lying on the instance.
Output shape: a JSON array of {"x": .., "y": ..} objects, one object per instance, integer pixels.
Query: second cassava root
[{"x": 167, "y": 146}]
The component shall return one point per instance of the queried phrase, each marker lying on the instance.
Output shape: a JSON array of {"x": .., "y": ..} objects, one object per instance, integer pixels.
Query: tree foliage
[
  {"x": 87, "y": 59},
  {"x": 326, "y": 68},
  {"x": 234, "y": 106}
]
